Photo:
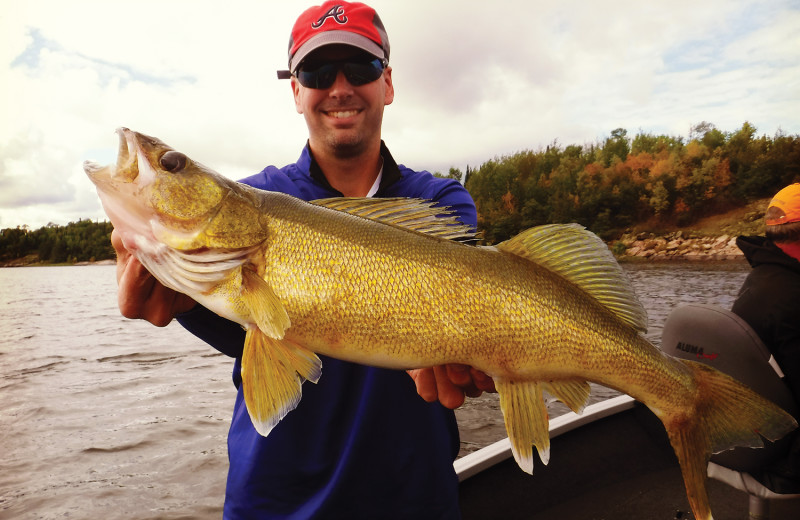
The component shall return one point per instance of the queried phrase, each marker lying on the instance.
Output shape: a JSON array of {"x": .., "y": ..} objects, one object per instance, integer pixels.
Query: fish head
[{"x": 156, "y": 193}]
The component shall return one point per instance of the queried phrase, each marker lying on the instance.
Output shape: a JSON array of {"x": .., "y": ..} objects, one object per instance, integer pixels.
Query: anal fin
[
  {"x": 526, "y": 421},
  {"x": 273, "y": 372},
  {"x": 573, "y": 393}
]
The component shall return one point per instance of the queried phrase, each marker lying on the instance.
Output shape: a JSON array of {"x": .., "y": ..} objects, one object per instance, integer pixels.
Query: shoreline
[
  {"x": 21, "y": 262},
  {"x": 676, "y": 247},
  {"x": 632, "y": 247}
]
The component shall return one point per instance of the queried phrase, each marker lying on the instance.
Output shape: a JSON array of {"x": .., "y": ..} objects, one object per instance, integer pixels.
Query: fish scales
[
  {"x": 345, "y": 275},
  {"x": 372, "y": 282}
]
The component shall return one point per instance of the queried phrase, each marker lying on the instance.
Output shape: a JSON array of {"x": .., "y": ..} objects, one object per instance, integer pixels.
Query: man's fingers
[
  {"x": 482, "y": 382},
  {"x": 450, "y": 395},
  {"x": 459, "y": 374},
  {"x": 426, "y": 383},
  {"x": 141, "y": 296},
  {"x": 450, "y": 384}
]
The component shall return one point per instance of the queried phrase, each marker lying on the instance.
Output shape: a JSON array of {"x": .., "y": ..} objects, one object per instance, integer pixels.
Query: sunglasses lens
[
  {"x": 319, "y": 78},
  {"x": 362, "y": 73},
  {"x": 323, "y": 76}
]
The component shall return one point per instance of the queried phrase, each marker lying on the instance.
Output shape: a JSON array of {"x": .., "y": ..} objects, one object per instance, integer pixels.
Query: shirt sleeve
[
  {"x": 222, "y": 334},
  {"x": 453, "y": 195}
]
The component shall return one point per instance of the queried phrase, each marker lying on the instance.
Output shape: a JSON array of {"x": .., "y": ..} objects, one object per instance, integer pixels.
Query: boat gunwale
[{"x": 495, "y": 453}]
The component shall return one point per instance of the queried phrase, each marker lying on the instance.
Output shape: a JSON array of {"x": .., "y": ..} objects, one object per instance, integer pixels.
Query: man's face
[{"x": 343, "y": 119}]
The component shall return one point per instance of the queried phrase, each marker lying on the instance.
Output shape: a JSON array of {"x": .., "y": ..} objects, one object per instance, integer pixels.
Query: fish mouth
[
  {"x": 122, "y": 187},
  {"x": 128, "y": 168}
]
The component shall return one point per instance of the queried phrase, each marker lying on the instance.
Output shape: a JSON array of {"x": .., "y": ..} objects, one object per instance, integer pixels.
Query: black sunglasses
[{"x": 358, "y": 71}]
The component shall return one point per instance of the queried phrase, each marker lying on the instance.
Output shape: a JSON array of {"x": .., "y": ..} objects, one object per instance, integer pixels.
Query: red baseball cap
[
  {"x": 784, "y": 206},
  {"x": 348, "y": 23}
]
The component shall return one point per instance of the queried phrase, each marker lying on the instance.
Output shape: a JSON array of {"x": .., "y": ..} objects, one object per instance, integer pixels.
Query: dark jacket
[{"x": 769, "y": 301}]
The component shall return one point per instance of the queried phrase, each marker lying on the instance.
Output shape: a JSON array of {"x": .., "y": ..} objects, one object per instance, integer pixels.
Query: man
[
  {"x": 361, "y": 443},
  {"x": 769, "y": 301}
]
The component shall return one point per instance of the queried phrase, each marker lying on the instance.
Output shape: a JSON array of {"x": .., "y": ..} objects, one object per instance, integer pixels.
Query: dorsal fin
[
  {"x": 419, "y": 215},
  {"x": 581, "y": 257}
]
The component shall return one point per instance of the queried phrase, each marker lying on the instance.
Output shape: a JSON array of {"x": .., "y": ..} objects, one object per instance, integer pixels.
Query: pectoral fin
[
  {"x": 273, "y": 372},
  {"x": 265, "y": 307},
  {"x": 526, "y": 421}
]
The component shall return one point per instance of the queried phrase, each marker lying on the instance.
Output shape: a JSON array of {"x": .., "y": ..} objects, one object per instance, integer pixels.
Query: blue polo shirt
[{"x": 361, "y": 443}]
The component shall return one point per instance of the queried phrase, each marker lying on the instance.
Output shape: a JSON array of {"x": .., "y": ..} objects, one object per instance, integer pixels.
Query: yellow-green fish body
[{"x": 379, "y": 282}]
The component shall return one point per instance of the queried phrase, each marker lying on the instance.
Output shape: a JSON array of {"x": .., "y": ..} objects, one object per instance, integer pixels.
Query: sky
[{"x": 473, "y": 81}]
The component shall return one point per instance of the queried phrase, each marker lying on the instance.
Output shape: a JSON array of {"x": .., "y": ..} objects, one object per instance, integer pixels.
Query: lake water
[{"x": 104, "y": 417}]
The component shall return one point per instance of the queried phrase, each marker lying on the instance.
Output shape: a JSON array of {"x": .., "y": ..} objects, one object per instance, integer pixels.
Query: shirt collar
[
  {"x": 377, "y": 184},
  {"x": 390, "y": 173}
]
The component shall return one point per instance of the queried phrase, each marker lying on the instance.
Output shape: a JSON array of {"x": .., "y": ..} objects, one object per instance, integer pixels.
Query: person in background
[
  {"x": 361, "y": 443},
  {"x": 769, "y": 301}
]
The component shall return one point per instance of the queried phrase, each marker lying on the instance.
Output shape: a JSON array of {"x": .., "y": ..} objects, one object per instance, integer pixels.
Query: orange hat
[{"x": 784, "y": 206}]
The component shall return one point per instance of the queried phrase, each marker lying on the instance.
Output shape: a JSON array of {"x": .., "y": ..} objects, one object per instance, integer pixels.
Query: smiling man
[
  {"x": 361, "y": 443},
  {"x": 344, "y": 120}
]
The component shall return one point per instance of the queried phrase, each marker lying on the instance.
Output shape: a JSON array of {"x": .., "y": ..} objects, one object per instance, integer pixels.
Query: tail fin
[{"x": 727, "y": 414}]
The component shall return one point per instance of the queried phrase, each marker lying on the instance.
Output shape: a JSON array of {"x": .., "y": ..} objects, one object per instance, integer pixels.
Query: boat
[{"x": 614, "y": 460}]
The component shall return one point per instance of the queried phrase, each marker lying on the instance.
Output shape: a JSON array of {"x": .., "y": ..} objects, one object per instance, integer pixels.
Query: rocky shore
[{"x": 676, "y": 246}]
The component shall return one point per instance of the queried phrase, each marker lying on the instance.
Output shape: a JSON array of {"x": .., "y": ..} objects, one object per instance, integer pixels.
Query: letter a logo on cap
[{"x": 336, "y": 12}]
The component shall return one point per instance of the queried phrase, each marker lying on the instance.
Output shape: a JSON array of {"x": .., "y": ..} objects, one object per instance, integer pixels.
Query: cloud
[
  {"x": 107, "y": 72},
  {"x": 69, "y": 92},
  {"x": 473, "y": 80},
  {"x": 26, "y": 167}
]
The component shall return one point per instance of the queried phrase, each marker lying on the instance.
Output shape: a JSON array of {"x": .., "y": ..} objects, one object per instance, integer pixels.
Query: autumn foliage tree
[{"x": 611, "y": 185}]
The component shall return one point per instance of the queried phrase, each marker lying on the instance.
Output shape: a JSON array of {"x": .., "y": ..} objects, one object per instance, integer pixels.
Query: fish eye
[{"x": 173, "y": 161}]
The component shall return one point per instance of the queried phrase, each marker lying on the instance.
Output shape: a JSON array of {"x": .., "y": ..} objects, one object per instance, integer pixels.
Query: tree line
[
  {"x": 608, "y": 186},
  {"x": 82, "y": 241},
  {"x": 648, "y": 179}
]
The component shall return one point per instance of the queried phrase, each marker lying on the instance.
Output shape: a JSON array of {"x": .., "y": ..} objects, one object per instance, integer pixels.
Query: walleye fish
[{"x": 383, "y": 283}]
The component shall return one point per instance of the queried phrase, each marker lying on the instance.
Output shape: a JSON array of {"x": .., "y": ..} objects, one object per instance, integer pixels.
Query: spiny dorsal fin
[
  {"x": 415, "y": 214},
  {"x": 581, "y": 257}
]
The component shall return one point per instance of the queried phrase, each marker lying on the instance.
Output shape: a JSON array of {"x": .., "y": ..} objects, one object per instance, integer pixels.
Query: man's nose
[{"x": 341, "y": 87}]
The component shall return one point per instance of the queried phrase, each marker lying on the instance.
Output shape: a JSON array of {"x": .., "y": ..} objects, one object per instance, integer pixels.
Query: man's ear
[
  {"x": 387, "y": 78},
  {"x": 297, "y": 93}
]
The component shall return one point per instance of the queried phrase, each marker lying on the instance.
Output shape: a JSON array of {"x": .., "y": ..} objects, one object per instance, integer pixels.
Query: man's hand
[
  {"x": 140, "y": 295},
  {"x": 451, "y": 384}
]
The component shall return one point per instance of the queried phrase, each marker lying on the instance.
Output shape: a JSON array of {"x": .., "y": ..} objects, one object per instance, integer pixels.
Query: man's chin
[{"x": 347, "y": 147}]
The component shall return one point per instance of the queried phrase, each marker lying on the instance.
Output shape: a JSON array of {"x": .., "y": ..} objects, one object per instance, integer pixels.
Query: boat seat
[{"x": 719, "y": 338}]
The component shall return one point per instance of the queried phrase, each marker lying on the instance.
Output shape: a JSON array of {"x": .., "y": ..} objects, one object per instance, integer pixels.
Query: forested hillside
[
  {"x": 82, "y": 241},
  {"x": 622, "y": 181}
]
